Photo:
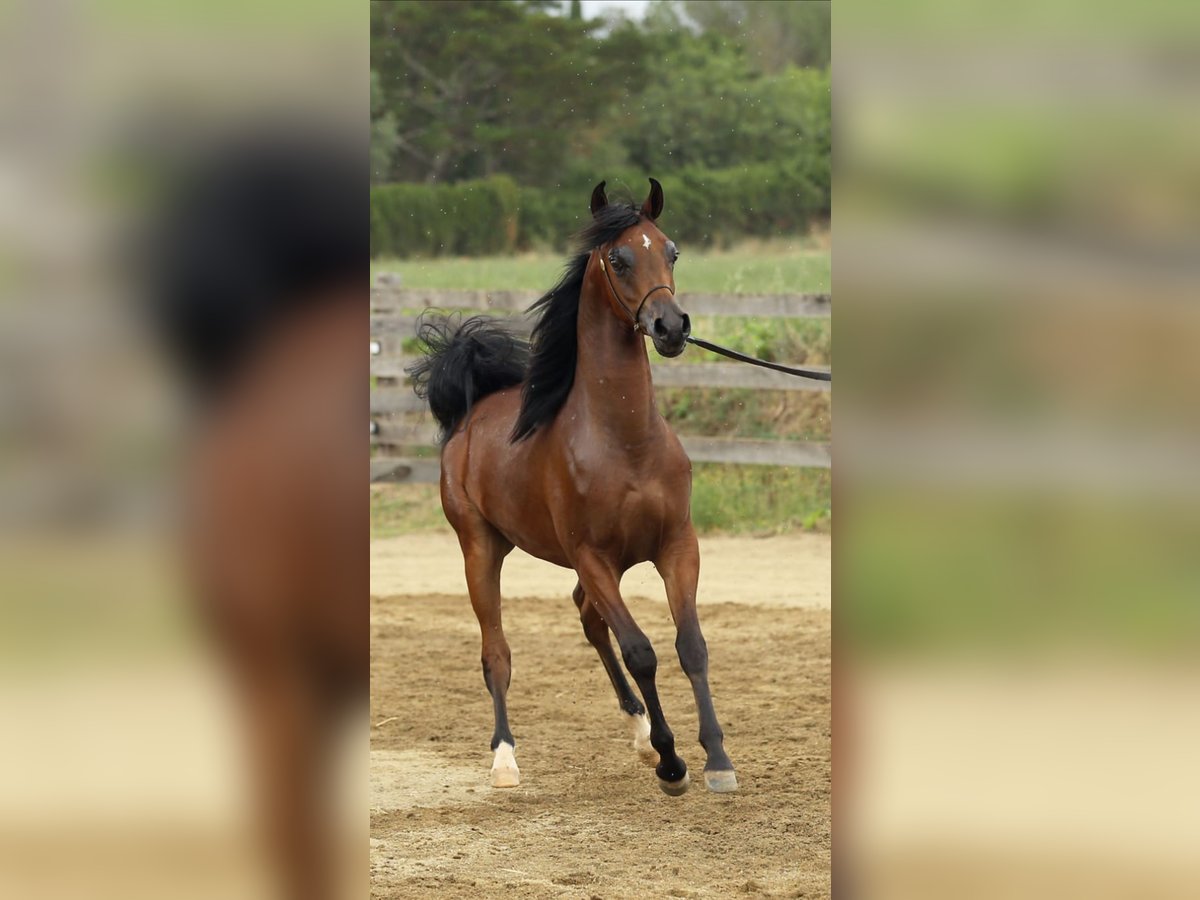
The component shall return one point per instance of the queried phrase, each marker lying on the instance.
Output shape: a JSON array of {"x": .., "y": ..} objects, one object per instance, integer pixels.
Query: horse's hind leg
[
  {"x": 484, "y": 550},
  {"x": 596, "y": 631}
]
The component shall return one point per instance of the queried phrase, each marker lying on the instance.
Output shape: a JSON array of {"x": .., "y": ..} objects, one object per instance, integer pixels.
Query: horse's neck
[{"x": 612, "y": 370}]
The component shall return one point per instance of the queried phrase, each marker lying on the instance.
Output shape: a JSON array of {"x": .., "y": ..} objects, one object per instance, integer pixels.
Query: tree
[
  {"x": 383, "y": 132},
  {"x": 775, "y": 35},
  {"x": 478, "y": 88},
  {"x": 714, "y": 110},
  {"x": 465, "y": 89}
]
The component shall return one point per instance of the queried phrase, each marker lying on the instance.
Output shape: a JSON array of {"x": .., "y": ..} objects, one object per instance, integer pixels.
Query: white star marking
[{"x": 645, "y": 242}]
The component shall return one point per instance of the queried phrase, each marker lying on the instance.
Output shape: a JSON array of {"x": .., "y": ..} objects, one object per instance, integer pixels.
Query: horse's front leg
[
  {"x": 602, "y": 584},
  {"x": 680, "y": 569},
  {"x": 596, "y": 631}
]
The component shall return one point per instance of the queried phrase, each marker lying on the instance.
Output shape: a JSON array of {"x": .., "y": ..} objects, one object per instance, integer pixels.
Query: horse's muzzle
[{"x": 667, "y": 325}]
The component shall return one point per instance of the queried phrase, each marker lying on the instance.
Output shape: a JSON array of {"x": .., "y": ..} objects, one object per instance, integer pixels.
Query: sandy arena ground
[{"x": 588, "y": 819}]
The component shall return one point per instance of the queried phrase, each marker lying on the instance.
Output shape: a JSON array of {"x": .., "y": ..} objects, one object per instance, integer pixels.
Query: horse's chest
[
  {"x": 613, "y": 504},
  {"x": 640, "y": 502},
  {"x": 621, "y": 499},
  {"x": 602, "y": 486}
]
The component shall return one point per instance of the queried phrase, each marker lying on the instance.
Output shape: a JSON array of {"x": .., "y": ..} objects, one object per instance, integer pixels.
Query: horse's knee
[
  {"x": 639, "y": 657},
  {"x": 497, "y": 667},
  {"x": 496, "y": 654}
]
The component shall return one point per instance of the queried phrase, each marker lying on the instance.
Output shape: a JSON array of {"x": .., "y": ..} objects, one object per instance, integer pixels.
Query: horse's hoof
[
  {"x": 504, "y": 767},
  {"x": 676, "y": 788},
  {"x": 721, "y": 782},
  {"x": 505, "y": 778},
  {"x": 640, "y": 726}
]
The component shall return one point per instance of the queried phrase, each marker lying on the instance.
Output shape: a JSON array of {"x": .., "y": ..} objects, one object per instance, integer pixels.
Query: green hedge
[
  {"x": 492, "y": 216},
  {"x": 470, "y": 218}
]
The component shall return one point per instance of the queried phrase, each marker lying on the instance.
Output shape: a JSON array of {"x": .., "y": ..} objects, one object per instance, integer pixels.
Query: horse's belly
[{"x": 551, "y": 553}]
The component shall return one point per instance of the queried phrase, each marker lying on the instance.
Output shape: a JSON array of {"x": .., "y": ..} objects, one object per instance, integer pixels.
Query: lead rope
[
  {"x": 700, "y": 342},
  {"x": 742, "y": 357}
]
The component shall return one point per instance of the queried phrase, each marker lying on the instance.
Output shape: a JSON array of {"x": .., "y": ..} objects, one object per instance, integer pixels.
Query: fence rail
[
  {"x": 700, "y": 449},
  {"x": 665, "y": 375},
  {"x": 389, "y": 298},
  {"x": 393, "y": 320}
]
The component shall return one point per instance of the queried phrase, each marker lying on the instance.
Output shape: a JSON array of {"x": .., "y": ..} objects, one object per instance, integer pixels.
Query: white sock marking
[
  {"x": 504, "y": 766},
  {"x": 639, "y": 727},
  {"x": 504, "y": 756}
]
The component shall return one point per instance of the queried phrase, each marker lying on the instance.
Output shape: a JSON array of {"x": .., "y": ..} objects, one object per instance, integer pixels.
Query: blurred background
[
  {"x": 1018, "y": 588},
  {"x": 490, "y": 125},
  {"x": 123, "y": 765}
]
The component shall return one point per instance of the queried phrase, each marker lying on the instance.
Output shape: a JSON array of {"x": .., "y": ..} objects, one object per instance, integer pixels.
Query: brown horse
[
  {"x": 560, "y": 450},
  {"x": 254, "y": 271}
]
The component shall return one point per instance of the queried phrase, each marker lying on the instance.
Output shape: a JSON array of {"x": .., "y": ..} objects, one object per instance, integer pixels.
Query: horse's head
[{"x": 639, "y": 268}]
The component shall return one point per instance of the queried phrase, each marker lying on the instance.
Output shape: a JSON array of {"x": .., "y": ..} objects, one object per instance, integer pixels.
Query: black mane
[{"x": 554, "y": 340}]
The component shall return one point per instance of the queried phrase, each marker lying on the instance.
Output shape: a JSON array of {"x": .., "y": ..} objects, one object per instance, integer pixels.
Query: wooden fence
[{"x": 394, "y": 432}]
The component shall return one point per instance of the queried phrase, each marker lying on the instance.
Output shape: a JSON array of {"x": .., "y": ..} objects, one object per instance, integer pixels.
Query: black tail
[
  {"x": 464, "y": 361},
  {"x": 258, "y": 231}
]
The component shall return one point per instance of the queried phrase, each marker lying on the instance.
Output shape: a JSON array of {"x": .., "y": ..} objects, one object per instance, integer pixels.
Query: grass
[
  {"x": 404, "y": 509},
  {"x": 964, "y": 571},
  {"x": 745, "y": 413},
  {"x": 761, "y": 267},
  {"x": 796, "y": 341},
  {"x": 729, "y": 499}
]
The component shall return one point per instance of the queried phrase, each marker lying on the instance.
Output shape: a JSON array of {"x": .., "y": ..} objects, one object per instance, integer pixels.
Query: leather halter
[{"x": 634, "y": 318}]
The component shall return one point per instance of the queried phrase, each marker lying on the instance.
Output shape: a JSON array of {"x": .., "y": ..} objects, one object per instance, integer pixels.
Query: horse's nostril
[
  {"x": 659, "y": 328},
  {"x": 687, "y": 325}
]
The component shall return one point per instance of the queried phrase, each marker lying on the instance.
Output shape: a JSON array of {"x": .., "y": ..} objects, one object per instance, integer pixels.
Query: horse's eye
[
  {"x": 621, "y": 259},
  {"x": 672, "y": 252}
]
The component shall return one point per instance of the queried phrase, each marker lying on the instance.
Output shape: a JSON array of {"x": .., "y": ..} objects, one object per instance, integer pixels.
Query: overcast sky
[{"x": 635, "y": 9}]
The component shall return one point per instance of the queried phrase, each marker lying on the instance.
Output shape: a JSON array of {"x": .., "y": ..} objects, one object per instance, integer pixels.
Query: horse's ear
[
  {"x": 599, "y": 201},
  {"x": 653, "y": 206}
]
